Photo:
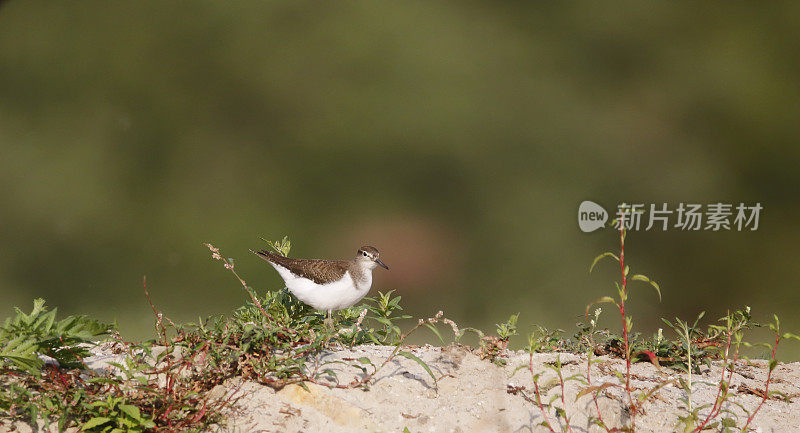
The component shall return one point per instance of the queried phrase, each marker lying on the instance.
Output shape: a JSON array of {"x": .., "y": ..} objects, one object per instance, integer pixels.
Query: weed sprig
[{"x": 720, "y": 342}]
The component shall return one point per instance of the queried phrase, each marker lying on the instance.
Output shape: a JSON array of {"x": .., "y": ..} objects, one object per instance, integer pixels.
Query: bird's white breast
[{"x": 335, "y": 295}]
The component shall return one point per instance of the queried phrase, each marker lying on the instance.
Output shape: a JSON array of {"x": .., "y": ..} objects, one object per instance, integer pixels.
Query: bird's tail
[{"x": 264, "y": 254}]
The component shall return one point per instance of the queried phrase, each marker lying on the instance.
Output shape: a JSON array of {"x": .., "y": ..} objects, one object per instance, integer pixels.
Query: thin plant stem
[
  {"x": 718, "y": 399},
  {"x": 766, "y": 387},
  {"x": 563, "y": 403},
  {"x": 589, "y": 382},
  {"x": 689, "y": 363},
  {"x": 538, "y": 395},
  {"x": 623, "y": 295}
]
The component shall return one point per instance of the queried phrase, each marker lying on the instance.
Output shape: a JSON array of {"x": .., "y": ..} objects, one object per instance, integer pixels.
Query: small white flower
[{"x": 361, "y": 318}]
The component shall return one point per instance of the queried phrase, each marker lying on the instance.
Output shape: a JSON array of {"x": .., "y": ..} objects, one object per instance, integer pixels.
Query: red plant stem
[
  {"x": 538, "y": 396},
  {"x": 563, "y": 403},
  {"x": 717, "y": 402},
  {"x": 253, "y": 297},
  {"x": 163, "y": 334},
  {"x": 594, "y": 395},
  {"x": 766, "y": 387}
]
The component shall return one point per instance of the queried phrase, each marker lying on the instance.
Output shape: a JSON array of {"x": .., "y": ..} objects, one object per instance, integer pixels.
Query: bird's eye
[{"x": 364, "y": 253}]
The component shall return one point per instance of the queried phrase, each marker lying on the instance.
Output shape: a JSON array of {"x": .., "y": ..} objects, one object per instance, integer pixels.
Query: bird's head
[{"x": 367, "y": 256}]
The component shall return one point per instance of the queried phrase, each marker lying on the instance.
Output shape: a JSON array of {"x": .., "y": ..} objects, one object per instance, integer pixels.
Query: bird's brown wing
[{"x": 318, "y": 271}]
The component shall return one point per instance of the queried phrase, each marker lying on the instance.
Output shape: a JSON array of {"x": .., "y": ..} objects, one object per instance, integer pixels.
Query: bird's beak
[{"x": 379, "y": 262}]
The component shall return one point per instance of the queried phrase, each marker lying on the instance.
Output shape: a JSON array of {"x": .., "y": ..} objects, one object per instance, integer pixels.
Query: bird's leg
[{"x": 329, "y": 320}]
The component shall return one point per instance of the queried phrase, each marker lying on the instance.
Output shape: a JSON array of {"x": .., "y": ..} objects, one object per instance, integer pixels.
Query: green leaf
[
  {"x": 646, "y": 395},
  {"x": 519, "y": 367},
  {"x": 790, "y": 335},
  {"x": 45, "y": 321},
  {"x": 34, "y": 412},
  {"x": 435, "y": 331},
  {"x": 604, "y": 299},
  {"x": 782, "y": 395},
  {"x": 131, "y": 411},
  {"x": 38, "y": 307},
  {"x": 601, "y": 256},
  {"x": 699, "y": 316},
  {"x": 384, "y": 321},
  {"x": 764, "y": 345},
  {"x": 94, "y": 422},
  {"x": 594, "y": 389},
  {"x": 685, "y": 386},
  {"x": 414, "y": 358},
  {"x": 640, "y": 277}
]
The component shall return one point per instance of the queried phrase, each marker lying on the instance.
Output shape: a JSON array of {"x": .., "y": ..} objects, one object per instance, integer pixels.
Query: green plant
[
  {"x": 115, "y": 415},
  {"x": 384, "y": 310},
  {"x": 26, "y": 337},
  {"x": 627, "y": 322},
  {"x": 493, "y": 347},
  {"x": 507, "y": 329},
  {"x": 687, "y": 334},
  {"x": 773, "y": 362},
  {"x": 731, "y": 333},
  {"x": 282, "y": 246},
  {"x": 534, "y": 346},
  {"x": 549, "y": 340}
]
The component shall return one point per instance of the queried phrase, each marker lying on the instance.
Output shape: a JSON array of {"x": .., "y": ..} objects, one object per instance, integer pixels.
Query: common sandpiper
[{"x": 327, "y": 284}]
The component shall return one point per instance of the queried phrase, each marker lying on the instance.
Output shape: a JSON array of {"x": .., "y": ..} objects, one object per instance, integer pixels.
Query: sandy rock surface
[
  {"x": 472, "y": 395},
  {"x": 475, "y": 395}
]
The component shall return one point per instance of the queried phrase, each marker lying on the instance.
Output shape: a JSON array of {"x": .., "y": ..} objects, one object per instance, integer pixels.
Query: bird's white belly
[{"x": 335, "y": 295}]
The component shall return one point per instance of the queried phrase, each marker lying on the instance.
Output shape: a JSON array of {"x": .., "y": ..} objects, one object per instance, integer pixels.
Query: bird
[{"x": 327, "y": 285}]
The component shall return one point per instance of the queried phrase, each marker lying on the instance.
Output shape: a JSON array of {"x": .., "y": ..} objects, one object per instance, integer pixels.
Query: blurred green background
[{"x": 457, "y": 137}]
